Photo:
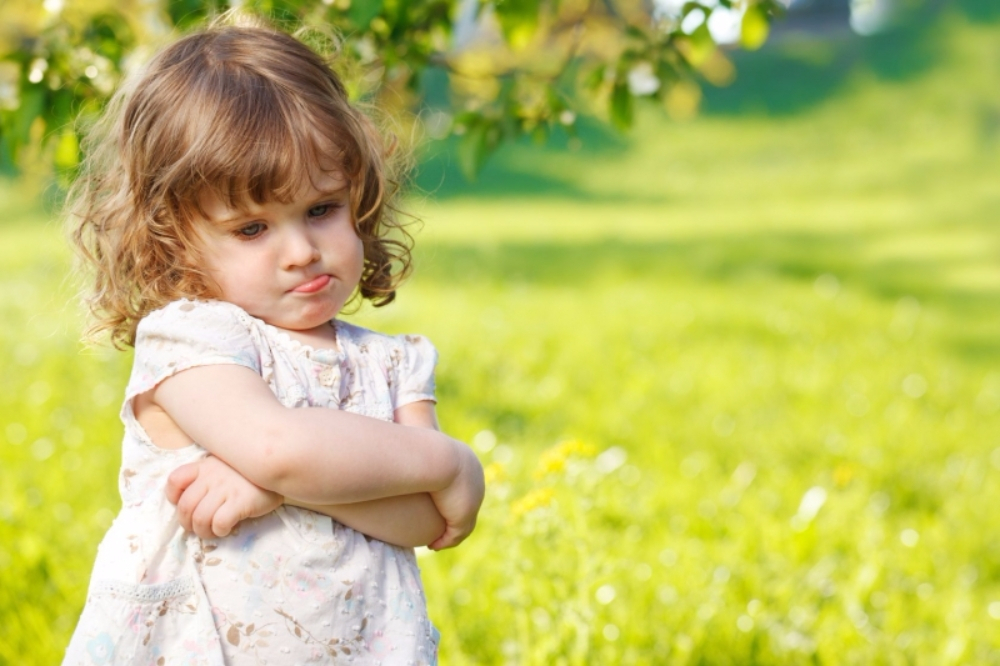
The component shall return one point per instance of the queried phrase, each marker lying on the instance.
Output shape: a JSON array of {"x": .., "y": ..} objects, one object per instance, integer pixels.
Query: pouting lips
[{"x": 313, "y": 285}]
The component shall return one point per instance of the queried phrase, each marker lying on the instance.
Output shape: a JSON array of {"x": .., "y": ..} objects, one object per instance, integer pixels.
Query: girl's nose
[{"x": 300, "y": 248}]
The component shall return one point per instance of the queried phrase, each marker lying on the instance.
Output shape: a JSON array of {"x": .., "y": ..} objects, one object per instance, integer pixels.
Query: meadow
[{"x": 735, "y": 380}]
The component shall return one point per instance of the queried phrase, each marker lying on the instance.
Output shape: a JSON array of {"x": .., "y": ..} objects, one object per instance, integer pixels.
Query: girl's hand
[
  {"x": 459, "y": 503},
  {"x": 212, "y": 498}
]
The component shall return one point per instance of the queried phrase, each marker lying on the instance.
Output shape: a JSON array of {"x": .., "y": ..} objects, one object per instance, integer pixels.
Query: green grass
[{"x": 736, "y": 382}]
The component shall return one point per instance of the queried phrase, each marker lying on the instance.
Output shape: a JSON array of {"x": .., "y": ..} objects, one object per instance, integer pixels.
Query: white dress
[{"x": 292, "y": 587}]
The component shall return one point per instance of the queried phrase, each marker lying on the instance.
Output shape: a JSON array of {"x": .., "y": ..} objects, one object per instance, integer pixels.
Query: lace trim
[
  {"x": 142, "y": 593},
  {"x": 325, "y": 355},
  {"x": 380, "y": 412}
]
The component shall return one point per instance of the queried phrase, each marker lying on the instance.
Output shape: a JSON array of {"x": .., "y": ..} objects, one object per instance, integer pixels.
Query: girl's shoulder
[
  {"x": 196, "y": 330},
  {"x": 188, "y": 322},
  {"x": 364, "y": 339},
  {"x": 185, "y": 312},
  {"x": 190, "y": 333},
  {"x": 407, "y": 361}
]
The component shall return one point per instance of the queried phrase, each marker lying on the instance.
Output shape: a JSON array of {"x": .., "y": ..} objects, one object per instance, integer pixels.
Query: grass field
[{"x": 736, "y": 381}]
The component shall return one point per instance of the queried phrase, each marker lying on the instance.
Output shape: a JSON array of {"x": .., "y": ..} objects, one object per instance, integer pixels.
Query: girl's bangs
[{"x": 271, "y": 156}]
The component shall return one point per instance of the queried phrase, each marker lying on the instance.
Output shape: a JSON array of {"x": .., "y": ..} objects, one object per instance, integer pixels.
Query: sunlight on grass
[{"x": 737, "y": 390}]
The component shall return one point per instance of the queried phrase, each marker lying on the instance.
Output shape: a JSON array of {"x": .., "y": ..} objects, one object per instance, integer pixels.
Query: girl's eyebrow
[
  {"x": 332, "y": 191},
  {"x": 242, "y": 216},
  {"x": 238, "y": 217}
]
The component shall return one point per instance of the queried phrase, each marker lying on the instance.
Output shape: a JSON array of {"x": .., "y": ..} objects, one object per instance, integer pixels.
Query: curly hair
[{"x": 240, "y": 112}]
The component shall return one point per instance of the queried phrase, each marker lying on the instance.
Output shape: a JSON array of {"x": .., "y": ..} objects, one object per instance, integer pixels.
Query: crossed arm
[{"x": 405, "y": 483}]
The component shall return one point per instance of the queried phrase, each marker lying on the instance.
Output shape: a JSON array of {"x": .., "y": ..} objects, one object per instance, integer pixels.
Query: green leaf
[
  {"x": 472, "y": 151},
  {"x": 479, "y": 141},
  {"x": 60, "y": 111},
  {"x": 518, "y": 21},
  {"x": 539, "y": 135},
  {"x": 32, "y": 105},
  {"x": 185, "y": 13},
  {"x": 620, "y": 106},
  {"x": 755, "y": 28},
  {"x": 701, "y": 45},
  {"x": 8, "y": 165},
  {"x": 362, "y": 12},
  {"x": 636, "y": 33},
  {"x": 690, "y": 7},
  {"x": 594, "y": 78},
  {"x": 67, "y": 153}
]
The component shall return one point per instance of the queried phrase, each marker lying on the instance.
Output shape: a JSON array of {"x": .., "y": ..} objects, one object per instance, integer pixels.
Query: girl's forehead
[
  {"x": 321, "y": 181},
  {"x": 218, "y": 205}
]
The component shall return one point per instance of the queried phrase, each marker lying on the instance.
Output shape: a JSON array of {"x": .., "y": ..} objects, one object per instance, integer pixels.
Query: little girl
[{"x": 231, "y": 203}]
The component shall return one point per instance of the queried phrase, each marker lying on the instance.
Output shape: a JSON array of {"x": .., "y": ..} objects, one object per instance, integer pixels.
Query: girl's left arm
[{"x": 405, "y": 520}]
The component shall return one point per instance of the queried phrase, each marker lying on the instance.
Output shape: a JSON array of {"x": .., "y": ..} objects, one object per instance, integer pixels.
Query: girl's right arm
[
  {"x": 212, "y": 499},
  {"x": 318, "y": 456}
]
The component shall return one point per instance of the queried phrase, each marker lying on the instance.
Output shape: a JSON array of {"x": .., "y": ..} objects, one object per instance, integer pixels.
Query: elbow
[{"x": 453, "y": 460}]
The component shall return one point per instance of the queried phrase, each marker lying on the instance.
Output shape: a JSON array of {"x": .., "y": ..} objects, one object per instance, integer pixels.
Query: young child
[{"x": 231, "y": 203}]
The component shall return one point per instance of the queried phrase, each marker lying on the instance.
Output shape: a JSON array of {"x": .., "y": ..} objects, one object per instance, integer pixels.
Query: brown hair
[{"x": 240, "y": 112}]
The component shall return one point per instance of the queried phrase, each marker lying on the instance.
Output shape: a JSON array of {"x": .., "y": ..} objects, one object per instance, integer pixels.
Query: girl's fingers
[
  {"x": 180, "y": 479},
  {"x": 188, "y": 502},
  {"x": 451, "y": 538},
  {"x": 438, "y": 543},
  {"x": 225, "y": 519},
  {"x": 204, "y": 514}
]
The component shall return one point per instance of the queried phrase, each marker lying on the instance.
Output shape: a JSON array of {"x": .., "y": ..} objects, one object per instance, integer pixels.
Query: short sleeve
[
  {"x": 412, "y": 370},
  {"x": 186, "y": 334}
]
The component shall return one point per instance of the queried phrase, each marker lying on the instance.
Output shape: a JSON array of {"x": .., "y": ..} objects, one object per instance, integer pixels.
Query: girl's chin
[
  {"x": 311, "y": 318},
  {"x": 303, "y": 317}
]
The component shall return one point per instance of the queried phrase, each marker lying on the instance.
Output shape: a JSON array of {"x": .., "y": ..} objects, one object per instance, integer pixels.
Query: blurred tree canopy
[{"x": 502, "y": 69}]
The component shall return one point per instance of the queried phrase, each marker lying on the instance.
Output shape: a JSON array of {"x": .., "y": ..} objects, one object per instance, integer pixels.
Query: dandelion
[
  {"x": 842, "y": 474},
  {"x": 494, "y": 473},
  {"x": 535, "y": 499},
  {"x": 553, "y": 460}
]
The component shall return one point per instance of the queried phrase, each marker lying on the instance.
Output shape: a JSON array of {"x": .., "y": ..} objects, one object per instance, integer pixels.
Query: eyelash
[
  {"x": 327, "y": 208},
  {"x": 240, "y": 233},
  {"x": 260, "y": 227}
]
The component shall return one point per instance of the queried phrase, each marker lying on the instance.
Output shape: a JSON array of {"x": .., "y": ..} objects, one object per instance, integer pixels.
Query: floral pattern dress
[{"x": 292, "y": 587}]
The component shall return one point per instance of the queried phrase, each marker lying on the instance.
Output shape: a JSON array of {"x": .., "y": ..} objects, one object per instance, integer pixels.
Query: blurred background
[{"x": 730, "y": 354}]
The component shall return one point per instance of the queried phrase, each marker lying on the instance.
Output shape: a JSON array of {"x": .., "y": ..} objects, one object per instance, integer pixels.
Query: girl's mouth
[{"x": 313, "y": 285}]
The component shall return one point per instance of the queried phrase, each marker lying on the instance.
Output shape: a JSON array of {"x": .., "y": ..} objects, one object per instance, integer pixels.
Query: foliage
[
  {"x": 514, "y": 67},
  {"x": 739, "y": 399}
]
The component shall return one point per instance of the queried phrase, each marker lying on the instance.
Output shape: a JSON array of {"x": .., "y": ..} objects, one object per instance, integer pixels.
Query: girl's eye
[
  {"x": 321, "y": 210},
  {"x": 251, "y": 230}
]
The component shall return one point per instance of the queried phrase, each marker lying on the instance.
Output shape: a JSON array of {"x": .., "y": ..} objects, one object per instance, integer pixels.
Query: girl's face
[{"x": 294, "y": 265}]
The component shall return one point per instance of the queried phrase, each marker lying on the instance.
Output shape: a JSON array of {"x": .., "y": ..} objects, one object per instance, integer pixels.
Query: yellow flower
[
  {"x": 494, "y": 473},
  {"x": 553, "y": 460},
  {"x": 574, "y": 447},
  {"x": 843, "y": 474},
  {"x": 533, "y": 500}
]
